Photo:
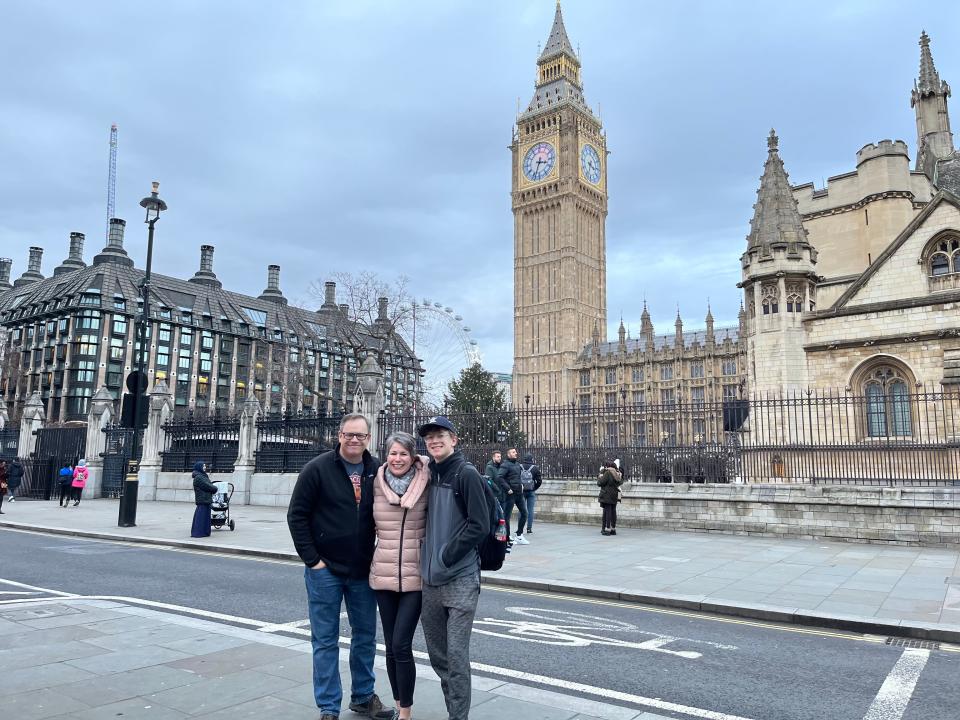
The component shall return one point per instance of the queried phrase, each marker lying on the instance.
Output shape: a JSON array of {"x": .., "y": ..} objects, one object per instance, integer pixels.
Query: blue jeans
[
  {"x": 325, "y": 591},
  {"x": 531, "y": 499}
]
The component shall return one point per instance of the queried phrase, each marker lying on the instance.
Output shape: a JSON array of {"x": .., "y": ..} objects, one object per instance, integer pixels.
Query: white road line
[
  {"x": 17, "y": 592},
  {"x": 38, "y": 589},
  {"x": 897, "y": 689}
]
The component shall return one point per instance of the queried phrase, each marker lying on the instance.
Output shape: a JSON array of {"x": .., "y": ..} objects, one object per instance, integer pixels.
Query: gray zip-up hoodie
[{"x": 451, "y": 540}]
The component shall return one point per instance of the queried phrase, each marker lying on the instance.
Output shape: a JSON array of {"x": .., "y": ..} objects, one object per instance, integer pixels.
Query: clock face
[
  {"x": 539, "y": 161},
  {"x": 590, "y": 163}
]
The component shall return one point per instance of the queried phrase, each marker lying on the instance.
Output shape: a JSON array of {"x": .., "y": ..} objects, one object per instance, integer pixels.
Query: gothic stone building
[
  {"x": 74, "y": 332},
  {"x": 854, "y": 287}
]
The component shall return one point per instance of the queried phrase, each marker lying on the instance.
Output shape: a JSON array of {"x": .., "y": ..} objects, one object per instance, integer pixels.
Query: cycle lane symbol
[{"x": 559, "y": 627}]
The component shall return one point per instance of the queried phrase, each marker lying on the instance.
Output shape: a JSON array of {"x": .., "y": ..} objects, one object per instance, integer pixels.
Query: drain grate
[{"x": 913, "y": 643}]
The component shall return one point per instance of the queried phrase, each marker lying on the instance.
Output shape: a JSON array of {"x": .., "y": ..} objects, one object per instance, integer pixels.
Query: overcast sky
[{"x": 334, "y": 136}]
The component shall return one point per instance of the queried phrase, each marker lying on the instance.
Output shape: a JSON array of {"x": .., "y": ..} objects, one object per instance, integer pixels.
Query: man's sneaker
[
  {"x": 521, "y": 540},
  {"x": 329, "y": 716},
  {"x": 372, "y": 708}
]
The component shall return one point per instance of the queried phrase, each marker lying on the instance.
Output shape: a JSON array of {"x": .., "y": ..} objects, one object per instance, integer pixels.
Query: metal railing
[
  {"x": 288, "y": 441},
  {"x": 819, "y": 436},
  {"x": 213, "y": 439}
]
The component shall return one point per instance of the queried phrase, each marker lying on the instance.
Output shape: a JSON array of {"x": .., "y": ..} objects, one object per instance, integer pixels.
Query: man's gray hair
[
  {"x": 404, "y": 440},
  {"x": 354, "y": 416}
]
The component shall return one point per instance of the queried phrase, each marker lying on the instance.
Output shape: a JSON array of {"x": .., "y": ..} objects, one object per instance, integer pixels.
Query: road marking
[
  {"x": 495, "y": 670},
  {"x": 700, "y": 615},
  {"x": 17, "y": 592},
  {"x": 897, "y": 689},
  {"x": 38, "y": 589}
]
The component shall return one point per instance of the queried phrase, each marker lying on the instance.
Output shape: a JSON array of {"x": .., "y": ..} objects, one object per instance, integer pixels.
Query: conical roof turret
[
  {"x": 558, "y": 43},
  {"x": 929, "y": 81},
  {"x": 775, "y": 218}
]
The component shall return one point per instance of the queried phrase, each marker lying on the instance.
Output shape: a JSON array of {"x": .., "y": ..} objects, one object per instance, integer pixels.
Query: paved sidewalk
[
  {"x": 913, "y": 591},
  {"x": 87, "y": 659}
]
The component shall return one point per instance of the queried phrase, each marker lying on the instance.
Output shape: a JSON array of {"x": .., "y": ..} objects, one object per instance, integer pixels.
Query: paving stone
[
  {"x": 243, "y": 657},
  {"x": 50, "y": 653},
  {"x": 137, "y": 708},
  {"x": 17, "y": 680},
  {"x": 217, "y": 693},
  {"x": 38, "y": 704},
  {"x": 122, "y": 686},
  {"x": 137, "y": 657},
  {"x": 265, "y": 707}
]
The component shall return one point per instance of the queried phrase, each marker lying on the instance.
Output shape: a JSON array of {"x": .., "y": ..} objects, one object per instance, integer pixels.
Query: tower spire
[
  {"x": 929, "y": 101},
  {"x": 558, "y": 43},
  {"x": 775, "y": 218}
]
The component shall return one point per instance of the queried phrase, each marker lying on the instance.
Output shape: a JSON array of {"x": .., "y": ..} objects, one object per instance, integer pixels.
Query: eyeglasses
[{"x": 355, "y": 436}]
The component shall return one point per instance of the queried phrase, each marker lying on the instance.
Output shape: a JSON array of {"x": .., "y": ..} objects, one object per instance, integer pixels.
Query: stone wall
[
  {"x": 904, "y": 516},
  {"x": 270, "y": 489}
]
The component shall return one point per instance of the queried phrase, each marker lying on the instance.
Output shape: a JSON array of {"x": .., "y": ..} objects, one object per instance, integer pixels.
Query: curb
[{"x": 701, "y": 603}]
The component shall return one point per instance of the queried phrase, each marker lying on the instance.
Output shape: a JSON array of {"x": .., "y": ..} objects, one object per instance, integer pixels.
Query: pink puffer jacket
[{"x": 399, "y": 517}]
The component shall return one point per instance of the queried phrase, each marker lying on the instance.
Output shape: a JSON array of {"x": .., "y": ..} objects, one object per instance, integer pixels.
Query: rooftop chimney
[
  {"x": 345, "y": 310},
  {"x": 383, "y": 320},
  {"x": 273, "y": 293},
  {"x": 5, "y": 265},
  {"x": 205, "y": 275},
  {"x": 114, "y": 252},
  {"x": 33, "y": 268},
  {"x": 329, "y": 296},
  {"x": 75, "y": 260}
]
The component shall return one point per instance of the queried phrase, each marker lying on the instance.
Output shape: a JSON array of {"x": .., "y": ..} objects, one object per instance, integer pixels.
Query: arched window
[
  {"x": 771, "y": 300},
  {"x": 943, "y": 256},
  {"x": 887, "y": 403}
]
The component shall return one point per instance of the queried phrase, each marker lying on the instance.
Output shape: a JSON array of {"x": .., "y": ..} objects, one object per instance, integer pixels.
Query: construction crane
[{"x": 112, "y": 178}]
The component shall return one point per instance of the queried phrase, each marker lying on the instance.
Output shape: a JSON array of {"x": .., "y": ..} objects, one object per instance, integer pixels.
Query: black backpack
[{"x": 492, "y": 550}]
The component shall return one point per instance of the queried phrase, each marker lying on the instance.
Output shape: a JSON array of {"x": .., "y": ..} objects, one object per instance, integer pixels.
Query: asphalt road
[{"x": 623, "y": 653}]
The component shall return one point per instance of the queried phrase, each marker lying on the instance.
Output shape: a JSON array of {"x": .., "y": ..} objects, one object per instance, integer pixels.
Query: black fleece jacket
[{"x": 325, "y": 520}]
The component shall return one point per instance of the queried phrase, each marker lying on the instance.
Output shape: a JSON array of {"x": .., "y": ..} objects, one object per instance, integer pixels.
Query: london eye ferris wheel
[{"x": 439, "y": 337}]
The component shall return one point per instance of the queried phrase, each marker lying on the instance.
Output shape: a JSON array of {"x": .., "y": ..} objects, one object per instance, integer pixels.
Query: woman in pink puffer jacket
[{"x": 400, "y": 514}]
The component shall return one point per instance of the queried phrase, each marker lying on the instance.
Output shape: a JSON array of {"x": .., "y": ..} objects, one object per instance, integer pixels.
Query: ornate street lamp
[{"x": 137, "y": 381}]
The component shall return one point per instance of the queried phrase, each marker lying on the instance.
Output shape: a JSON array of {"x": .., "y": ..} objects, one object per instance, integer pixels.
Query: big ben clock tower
[{"x": 559, "y": 195}]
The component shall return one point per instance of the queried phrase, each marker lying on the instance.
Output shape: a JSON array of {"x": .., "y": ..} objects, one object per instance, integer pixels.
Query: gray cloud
[{"x": 326, "y": 136}]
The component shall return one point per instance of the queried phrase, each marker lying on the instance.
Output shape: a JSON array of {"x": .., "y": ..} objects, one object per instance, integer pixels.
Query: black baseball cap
[{"x": 437, "y": 421}]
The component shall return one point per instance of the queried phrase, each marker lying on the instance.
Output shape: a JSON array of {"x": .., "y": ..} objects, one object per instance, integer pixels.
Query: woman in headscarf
[
  {"x": 80, "y": 475},
  {"x": 400, "y": 514},
  {"x": 203, "y": 492}
]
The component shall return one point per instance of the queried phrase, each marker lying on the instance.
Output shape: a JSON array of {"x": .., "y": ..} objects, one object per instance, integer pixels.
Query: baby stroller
[{"x": 220, "y": 506}]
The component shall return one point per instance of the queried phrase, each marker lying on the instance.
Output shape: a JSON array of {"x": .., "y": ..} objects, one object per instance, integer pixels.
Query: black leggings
[
  {"x": 399, "y": 614},
  {"x": 66, "y": 492},
  {"x": 609, "y": 515}
]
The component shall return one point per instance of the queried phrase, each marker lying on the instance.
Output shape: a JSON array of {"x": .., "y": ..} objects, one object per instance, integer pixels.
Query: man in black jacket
[
  {"x": 331, "y": 522},
  {"x": 458, "y": 519},
  {"x": 510, "y": 473}
]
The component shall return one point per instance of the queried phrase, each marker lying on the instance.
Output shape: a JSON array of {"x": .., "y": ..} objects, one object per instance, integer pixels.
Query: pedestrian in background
[
  {"x": 400, "y": 517},
  {"x": 80, "y": 475},
  {"x": 510, "y": 474},
  {"x": 203, "y": 492},
  {"x": 530, "y": 496},
  {"x": 331, "y": 523},
  {"x": 65, "y": 484},
  {"x": 3, "y": 483},
  {"x": 14, "y": 477},
  {"x": 609, "y": 481},
  {"x": 499, "y": 487},
  {"x": 457, "y": 521}
]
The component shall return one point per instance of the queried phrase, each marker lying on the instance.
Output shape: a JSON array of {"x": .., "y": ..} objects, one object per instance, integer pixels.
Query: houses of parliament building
[{"x": 853, "y": 287}]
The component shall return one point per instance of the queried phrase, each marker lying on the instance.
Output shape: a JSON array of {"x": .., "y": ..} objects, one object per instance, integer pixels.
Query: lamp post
[{"x": 137, "y": 383}]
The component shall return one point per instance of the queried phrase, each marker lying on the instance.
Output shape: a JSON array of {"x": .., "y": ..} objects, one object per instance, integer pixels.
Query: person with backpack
[
  {"x": 458, "y": 521},
  {"x": 510, "y": 474},
  {"x": 530, "y": 481},
  {"x": 80, "y": 475},
  {"x": 65, "y": 481}
]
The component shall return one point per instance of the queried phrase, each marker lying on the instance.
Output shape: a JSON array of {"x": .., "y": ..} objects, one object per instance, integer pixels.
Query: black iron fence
[
  {"x": 9, "y": 438},
  {"x": 888, "y": 437},
  {"x": 213, "y": 439},
  {"x": 120, "y": 445},
  {"x": 288, "y": 441},
  {"x": 56, "y": 446}
]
